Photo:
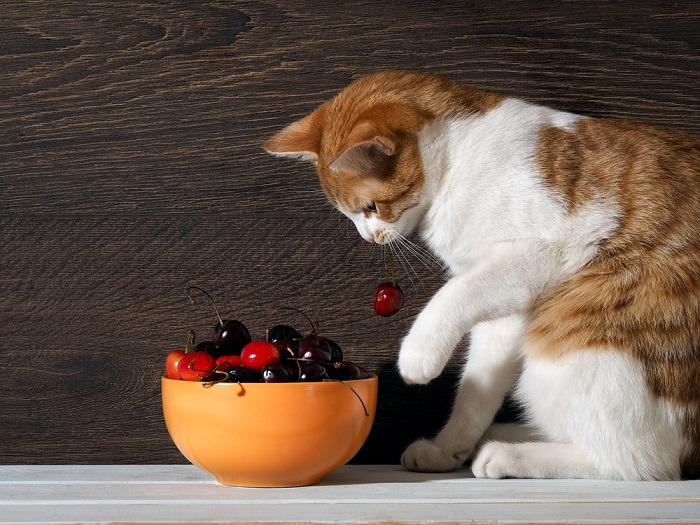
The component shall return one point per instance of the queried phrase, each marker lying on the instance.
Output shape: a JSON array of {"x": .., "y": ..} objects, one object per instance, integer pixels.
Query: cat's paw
[
  {"x": 417, "y": 363},
  {"x": 425, "y": 456},
  {"x": 495, "y": 460}
]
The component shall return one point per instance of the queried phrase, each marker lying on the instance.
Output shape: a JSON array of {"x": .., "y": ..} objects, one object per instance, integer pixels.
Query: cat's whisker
[
  {"x": 418, "y": 277},
  {"x": 416, "y": 254},
  {"x": 371, "y": 255},
  {"x": 428, "y": 261},
  {"x": 420, "y": 249},
  {"x": 391, "y": 246}
]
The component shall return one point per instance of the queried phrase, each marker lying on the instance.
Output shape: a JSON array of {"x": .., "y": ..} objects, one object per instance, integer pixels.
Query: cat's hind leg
[
  {"x": 497, "y": 459},
  {"x": 596, "y": 409},
  {"x": 490, "y": 372}
]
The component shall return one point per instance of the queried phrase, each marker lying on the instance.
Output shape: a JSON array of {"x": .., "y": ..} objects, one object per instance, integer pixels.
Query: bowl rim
[{"x": 291, "y": 384}]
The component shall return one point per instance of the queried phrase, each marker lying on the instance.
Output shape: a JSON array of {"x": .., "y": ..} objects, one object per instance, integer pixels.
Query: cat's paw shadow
[{"x": 408, "y": 412}]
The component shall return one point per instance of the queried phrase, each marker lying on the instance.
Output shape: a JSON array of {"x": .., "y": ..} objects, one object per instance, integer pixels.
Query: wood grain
[
  {"x": 378, "y": 494},
  {"x": 130, "y": 167}
]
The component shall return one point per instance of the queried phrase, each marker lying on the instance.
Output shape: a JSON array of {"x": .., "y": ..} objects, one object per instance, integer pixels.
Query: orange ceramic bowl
[{"x": 269, "y": 435}]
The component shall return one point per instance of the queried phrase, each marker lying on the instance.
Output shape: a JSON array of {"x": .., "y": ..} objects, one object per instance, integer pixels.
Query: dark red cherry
[
  {"x": 286, "y": 350},
  {"x": 258, "y": 354},
  {"x": 346, "y": 371},
  {"x": 293, "y": 369},
  {"x": 333, "y": 349},
  {"x": 242, "y": 374},
  {"x": 282, "y": 332},
  {"x": 275, "y": 374},
  {"x": 387, "y": 298},
  {"x": 231, "y": 336},
  {"x": 313, "y": 348},
  {"x": 207, "y": 346},
  {"x": 312, "y": 371}
]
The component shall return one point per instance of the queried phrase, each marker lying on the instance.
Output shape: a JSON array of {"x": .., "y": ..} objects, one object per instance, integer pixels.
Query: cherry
[
  {"x": 334, "y": 350},
  {"x": 242, "y": 374},
  {"x": 282, "y": 332},
  {"x": 258, "y": 354},
  {"x": 196, "y": 365},
  {"x": 225, "y": 362},
  {"x": 312, "y": 371},
  {"x": 286, "y": 350},
  {"x": 275, "y": 374},
  {"x": 314, "y": 348},
  {"x": 293, "y": 368},
  {"x": 206, "y": 346},
  {"x": 171, "y": 362},
  {"x": 388, "y": 299},
  {"x": 174, "y": 356},
  {"x": 346, "y": 371},
  {"x": 230, "y": 336}
]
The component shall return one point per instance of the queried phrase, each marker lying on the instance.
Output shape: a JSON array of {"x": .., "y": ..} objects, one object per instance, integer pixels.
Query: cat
[{"x": 573, "y": 250}]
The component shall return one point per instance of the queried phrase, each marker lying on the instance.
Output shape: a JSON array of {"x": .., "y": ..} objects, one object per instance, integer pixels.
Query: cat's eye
[{"x": 371, "y": 207}]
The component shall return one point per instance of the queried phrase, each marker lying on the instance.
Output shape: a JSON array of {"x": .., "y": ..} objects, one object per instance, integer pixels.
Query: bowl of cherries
[{"x": 284, "y": 410}]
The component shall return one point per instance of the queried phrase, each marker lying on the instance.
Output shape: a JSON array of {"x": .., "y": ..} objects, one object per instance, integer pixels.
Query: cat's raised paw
[
  {"x": 424, "y": 455},
  {"x": 495, "y": 460},
  {"x": 417, "y": 365}
]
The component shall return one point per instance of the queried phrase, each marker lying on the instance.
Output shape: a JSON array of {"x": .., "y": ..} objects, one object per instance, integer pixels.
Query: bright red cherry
[
  {"x": 196, "y": 365},
  {"x": 171, "y": 362},
  {"x": 388, "y": 299},
  {"x": 258, "y": 354},
  {"x": 226, "y": 362}
]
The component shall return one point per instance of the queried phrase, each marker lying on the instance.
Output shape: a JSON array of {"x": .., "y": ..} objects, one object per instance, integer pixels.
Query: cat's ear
[
  {"x": 374, "y": 138},
  {"x": 301, "y": 139},
  {"x": 366, "y": 148}
]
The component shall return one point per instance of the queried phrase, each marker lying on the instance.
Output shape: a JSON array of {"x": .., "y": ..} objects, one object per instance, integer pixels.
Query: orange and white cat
[{"x": 573, "y": 247}]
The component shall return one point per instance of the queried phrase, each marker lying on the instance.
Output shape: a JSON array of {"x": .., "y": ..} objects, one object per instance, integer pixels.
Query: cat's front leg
[
  {"x": 504, "y": 284},
  {"x": 489, "y": 373}
]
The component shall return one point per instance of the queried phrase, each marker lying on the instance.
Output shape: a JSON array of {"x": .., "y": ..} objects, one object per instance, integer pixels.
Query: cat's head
[{"x": 364, "y": 144}]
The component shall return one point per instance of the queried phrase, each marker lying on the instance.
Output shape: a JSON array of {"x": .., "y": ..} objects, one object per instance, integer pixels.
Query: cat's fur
[{"x": 573, "y": 246}]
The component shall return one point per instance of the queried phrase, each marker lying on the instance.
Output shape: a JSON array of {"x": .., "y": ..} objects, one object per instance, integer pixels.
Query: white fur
[{"x": 506, "y": 238}]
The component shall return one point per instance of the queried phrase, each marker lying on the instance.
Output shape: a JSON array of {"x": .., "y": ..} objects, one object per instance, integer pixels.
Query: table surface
[{"x": 354, "y": 494}]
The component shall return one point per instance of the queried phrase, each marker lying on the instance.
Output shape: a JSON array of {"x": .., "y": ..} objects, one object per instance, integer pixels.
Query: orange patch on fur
[
  {"x": 369, "y": 131},
  {"x": 641, "y": 293}
]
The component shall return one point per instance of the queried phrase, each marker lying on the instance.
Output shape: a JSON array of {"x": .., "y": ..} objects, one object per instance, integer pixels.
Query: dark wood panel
[
  {"x": 130, "y": 167},
  {"x": 163, "y": 106},
  {"x": 91, "y": 305}
]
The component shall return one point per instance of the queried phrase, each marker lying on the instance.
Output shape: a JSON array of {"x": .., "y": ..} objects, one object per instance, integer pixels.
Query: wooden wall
[{"x": 131, "y": 167}]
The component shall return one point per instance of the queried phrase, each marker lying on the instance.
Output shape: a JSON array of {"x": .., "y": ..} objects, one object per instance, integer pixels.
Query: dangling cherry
[
  {"x": 230, "y": 336},
  {"x": 388, "y": 299}
]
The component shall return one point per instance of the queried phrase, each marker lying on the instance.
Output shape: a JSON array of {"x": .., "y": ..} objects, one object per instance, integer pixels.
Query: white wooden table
[{"x": 355, "y": 494}]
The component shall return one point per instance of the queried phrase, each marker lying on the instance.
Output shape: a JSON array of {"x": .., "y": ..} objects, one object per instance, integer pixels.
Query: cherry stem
[
  {"x": 211, "y": 383},
  {"x": 193, "y": 301},
  {"x": 364, "y": 407},
  {"x": 313, "y": 327},
  {"x": 189, "y": 340}
]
